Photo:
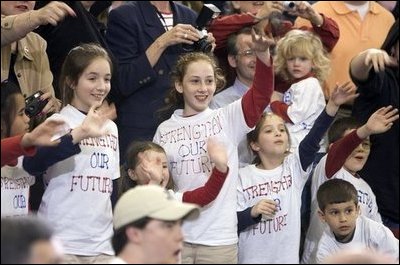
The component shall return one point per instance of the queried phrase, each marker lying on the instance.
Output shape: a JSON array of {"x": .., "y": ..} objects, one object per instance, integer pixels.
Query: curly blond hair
[{"x": 299, "y": 43}]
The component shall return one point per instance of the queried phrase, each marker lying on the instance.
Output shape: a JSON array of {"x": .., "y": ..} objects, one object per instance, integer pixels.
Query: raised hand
[
  {"x": 382, "y": 120},
  {"x": 42, "y": 135},
  {"x": 305, "y": 10},
  {"x": 94, "y": 125},
  {"x": 218, "y": 154},
  {"x": 260, "y": 46},
  {"x": 379, "y": 59},
  {"x": 150, "y": 168},
  {"x": 340, "y": 95}
]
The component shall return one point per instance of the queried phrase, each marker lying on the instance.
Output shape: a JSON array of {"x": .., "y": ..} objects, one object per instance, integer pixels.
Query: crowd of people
[{"x": 156, "y": 132}]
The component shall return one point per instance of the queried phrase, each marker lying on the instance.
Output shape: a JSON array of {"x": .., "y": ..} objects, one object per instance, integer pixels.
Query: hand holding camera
[
  {"x": 204, "y": 44},
  {"x": 41, "y": 103},
  {"x": 304, "y": 10}
]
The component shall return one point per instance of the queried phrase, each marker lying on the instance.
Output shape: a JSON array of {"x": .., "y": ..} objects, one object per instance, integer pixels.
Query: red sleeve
[
  {"x": 11, "y": 149},
  {"x": 258, "y": 96},
  {"x": 222, "y": 27},
  {"x": 280, "y": 109},
  {"x": 207, "y": 193},
  {"x": 329, "y": 32},
  {"x": 339, "y": 152}
]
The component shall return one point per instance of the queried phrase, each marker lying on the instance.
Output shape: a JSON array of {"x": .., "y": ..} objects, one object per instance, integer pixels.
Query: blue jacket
[{"x": 132, "y": 28}]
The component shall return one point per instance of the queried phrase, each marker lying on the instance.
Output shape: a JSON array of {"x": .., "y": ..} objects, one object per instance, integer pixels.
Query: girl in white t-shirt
[
  {"x": 15, "y": 181},
  {"x": 269, "y": 191},
  {"x": 212, "y": 238},
  {"x": 146, "y": 163},
  {"x": 78, "y": 182},
  {"x": 301, "y": 60}
]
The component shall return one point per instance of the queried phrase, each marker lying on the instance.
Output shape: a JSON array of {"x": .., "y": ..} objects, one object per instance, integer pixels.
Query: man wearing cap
[{"x": 147, "y": 226}]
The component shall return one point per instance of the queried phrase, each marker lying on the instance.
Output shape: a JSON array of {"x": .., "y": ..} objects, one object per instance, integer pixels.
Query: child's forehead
[
  {"x": 340, "y": 205},
  {"x": 273, "y": 119}
]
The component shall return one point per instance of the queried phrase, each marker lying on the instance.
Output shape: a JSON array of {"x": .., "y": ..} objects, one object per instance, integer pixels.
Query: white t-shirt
[
  {"x": 15, "y": 183},
  {"x": 368, "y": 233},
  {"x": 185, "y": 142},
  {"x": 306, "y": 101},
  {"x": 366, "y": 199},
  {"x": 118, "y": 260},
  {"x": 77, "y": 197},
  {"x": 276, "y": 240}
]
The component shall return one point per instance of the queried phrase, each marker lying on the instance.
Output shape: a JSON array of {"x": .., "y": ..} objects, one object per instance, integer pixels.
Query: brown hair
[
  {"x": 252, "y": 136},
  {"x": 124, "y": 183},
  {"x": 174, "y": 99},
  {"x": 77, "y": 60},
  {"x": 336, "y": 191}
]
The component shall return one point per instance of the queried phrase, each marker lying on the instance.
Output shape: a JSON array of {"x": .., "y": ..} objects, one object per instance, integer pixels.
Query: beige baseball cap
[{"x": 151, "y": 201}]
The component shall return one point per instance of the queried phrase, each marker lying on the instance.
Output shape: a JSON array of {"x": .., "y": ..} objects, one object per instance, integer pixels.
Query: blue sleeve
[
  {"x": 309, "y": 146},
  {"x": 48, "y": 156},
  {"x": 245, "y": 219}
]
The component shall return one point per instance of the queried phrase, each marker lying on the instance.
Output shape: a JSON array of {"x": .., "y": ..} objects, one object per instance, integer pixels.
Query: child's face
[
  {"x": 273, "y": 138},
  {"x": 152, "y": 168},
  {"x": 357, "y": 159},
  {"x": 341, "y": 218},
  {"x": 298, "y": 66},
  {"x": 20, "y": 125},
  {"x": 93, "y": 85},
  {"x": 198, "y": 87}
]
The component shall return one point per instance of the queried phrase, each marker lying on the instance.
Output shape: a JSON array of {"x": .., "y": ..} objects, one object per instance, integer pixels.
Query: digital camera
[
  {"x": 206, "y": 15},
  {"x": 34, "y": 105}
]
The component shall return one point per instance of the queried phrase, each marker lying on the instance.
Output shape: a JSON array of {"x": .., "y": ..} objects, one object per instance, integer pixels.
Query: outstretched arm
[
  {"x": 206, "y": 194},
  {"x": 92, "y": 126},
  {"x": 310, "y": 144},
  {"x": 16, "y": 27},
  {"x": 361, "y": 65},
  {"x": 13, "y": 147},
  {"x": 379, "y": 122},
  {"x": 258, "y": 96}
]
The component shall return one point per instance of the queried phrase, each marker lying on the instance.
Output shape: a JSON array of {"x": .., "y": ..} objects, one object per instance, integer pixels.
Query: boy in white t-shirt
[
  {"x": 348, "y": 152},
  {"x": 338, "y": 204}
]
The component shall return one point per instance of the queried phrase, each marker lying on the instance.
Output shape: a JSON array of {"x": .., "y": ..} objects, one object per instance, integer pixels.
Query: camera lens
[{"x": 204, "y": 46}]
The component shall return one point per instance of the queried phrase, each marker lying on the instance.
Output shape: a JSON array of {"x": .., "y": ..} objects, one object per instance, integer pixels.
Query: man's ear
[
  {"x": 133, "y": 234},
  {"x": 321, "y": 216},
  {"x": 179, "y": 87},
  {"x": 232, "y": 60}
]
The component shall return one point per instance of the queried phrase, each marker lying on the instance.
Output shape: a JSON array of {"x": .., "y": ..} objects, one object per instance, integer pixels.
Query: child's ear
[
  {"x": 358, "y": 209},
  {"x": 179, "y": 87},
  {"x": 255, "y": 147},
  {"x": 70, "y": 83},
  {"x": 321, "y": 216},
  {"x": 132, "y": 175}
]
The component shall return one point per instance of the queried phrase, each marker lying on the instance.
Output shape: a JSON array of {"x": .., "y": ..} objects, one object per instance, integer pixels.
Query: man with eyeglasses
[{"x": 243, "y": 60}]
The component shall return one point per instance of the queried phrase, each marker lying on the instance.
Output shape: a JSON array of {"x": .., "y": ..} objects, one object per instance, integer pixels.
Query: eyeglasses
[{"x": 247, "y": 53}]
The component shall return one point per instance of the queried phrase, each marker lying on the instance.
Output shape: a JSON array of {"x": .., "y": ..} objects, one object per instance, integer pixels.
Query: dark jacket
[{"x": 132, "y": 28}]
